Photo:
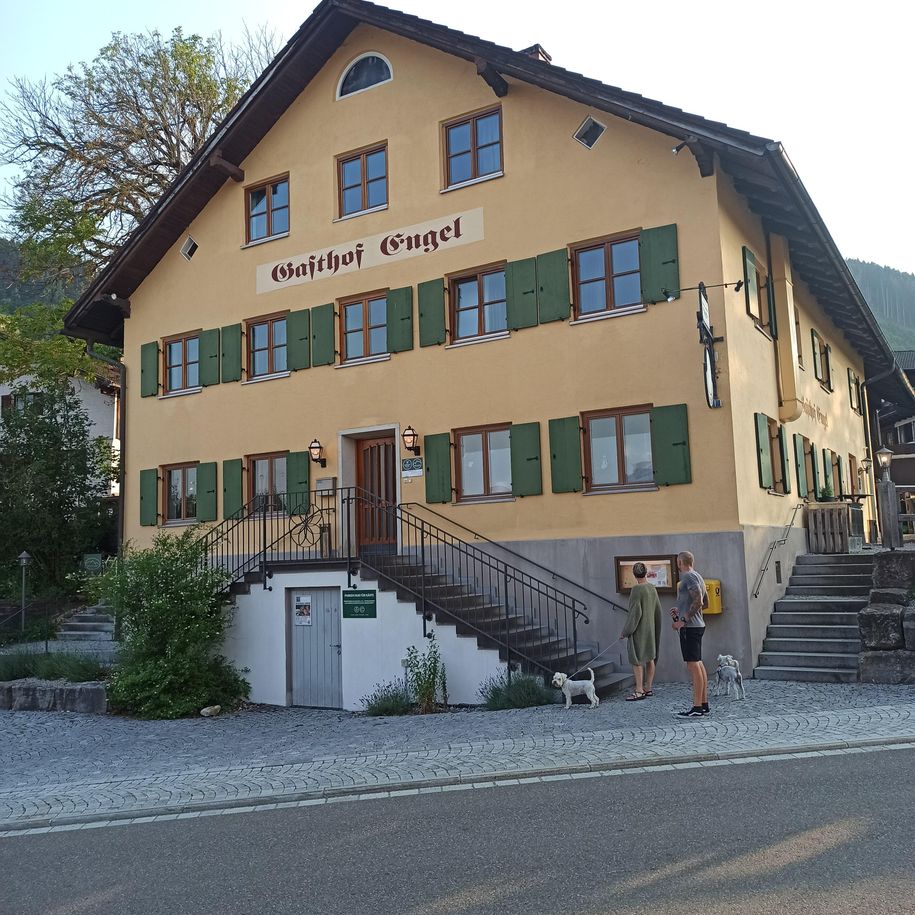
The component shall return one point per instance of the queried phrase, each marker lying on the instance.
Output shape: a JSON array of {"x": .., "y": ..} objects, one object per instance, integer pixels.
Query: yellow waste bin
[{"x": 714, "y": 595}]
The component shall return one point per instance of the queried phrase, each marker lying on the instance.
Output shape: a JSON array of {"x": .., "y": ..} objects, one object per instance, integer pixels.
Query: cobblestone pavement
[{"x": 55, "y": 766}]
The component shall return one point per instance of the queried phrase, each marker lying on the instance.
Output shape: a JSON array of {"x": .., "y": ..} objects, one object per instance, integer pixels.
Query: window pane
[
  {"x": 279, "y": 358},
  {"x": 190, "y": 489},
  {"x": 261, "y": 476},
  {"x": 468, "y": 323},
  {"x": 259, "y": 362},
  {"x": 488, "y": 159},
  {"x": 488, "y": 129},
  {"x": 625, "y": 256},
  {"x": 375, "y": 164},
  {"x": 472, "y": 465},
  {"x": 591, "y": 264},
  {"x": 592, "y": 297},
  {"x": 280, "y": 194},
  {"x": 378, "y": 312},
  {"x": 354, "y": 316},
  {"x": 258, "y": 201},
  {"x": 494, "y": 317},
  {"x": 367, "y": 72},
  {"x": 192, "y": 349},
  {"x": 280, "y": 221},
  {"x": 377, "y": 193},
  {"x": 459, "y": 138},
  {"x": 352, "y": 172},
  {"x": 637, "y": 448},
  {"x": 627, "y": 289},
  {"x": 173, "y": 506},
  {"x": 459, "y": 169},
  {"x": 193, "y": 375},
  {"x": 467, "y": 296},
  {"x": 174, "y": 353},
  {"x": 352, "y": 200},
  {"x": 378, "y": 341},
  {"x": 604, "y": 456},
  {"x": 354, "y": 345},
  {"x": 175, "y": 382},
  {"x": 500, "y": 462},
  {"x": 494, "y": 286},
  {"x": 279, "y": 474},
  {"x": 279, "y": 332},
  {"x": 259, "y": 336},
  {"x": 258, "y": 228}
]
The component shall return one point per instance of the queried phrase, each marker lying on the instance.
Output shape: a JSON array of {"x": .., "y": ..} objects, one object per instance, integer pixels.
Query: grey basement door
[{"x": 316, "y": 672}]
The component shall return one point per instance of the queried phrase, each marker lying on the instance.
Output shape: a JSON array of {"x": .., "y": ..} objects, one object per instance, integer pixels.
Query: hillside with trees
[{"x": 891, "y": 296}]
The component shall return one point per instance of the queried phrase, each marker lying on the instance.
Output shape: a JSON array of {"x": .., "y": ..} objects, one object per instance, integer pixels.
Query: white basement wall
[{"x": 372, "y": 649}]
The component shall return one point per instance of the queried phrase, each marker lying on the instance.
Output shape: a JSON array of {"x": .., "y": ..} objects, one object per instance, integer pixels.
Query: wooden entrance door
[{"x": 376, "y": 476}]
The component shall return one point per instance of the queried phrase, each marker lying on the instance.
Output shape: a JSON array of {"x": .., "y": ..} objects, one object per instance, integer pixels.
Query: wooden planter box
[{"x": 835, "y": 527}]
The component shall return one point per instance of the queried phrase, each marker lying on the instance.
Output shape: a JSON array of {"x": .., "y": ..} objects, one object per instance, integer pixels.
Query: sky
[{"x": 833, "y": 81}]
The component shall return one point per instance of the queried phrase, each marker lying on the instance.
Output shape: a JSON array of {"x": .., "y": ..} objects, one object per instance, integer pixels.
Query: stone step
[
  {"x": 85, "y": 636},
  {"x": 812, "y": 632},
  {"x": 805, "y": 646},
  {"x": 814, "y": 619},
  {"x": 75, "y": 625},
  {"x": 845, "y": 568},
  {"x": 91, "y": 618},
  {"x": 860, "y": 581},
  {"x": 834, "y": 559},
  {"x": 612, "y": 683},
  {"x": 836, "y": 661},
  {"x": 828, "y": 590},
  {"x": 807, "y": 674},
  {"x": 821, "y": 604}
]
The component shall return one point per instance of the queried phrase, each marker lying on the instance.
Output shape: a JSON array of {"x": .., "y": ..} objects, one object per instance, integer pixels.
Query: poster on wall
[
  {"x": 662, "y": 572},
  {"x": 301, "y": 610}
]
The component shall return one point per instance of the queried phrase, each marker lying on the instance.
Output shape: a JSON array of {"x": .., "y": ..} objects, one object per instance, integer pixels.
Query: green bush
[
  {"x": 172, "y": 609},
  {"x": 426, "y": 676},
  {"x": 523, "y": 691},
  {"x": 388, "y": 699},
  {"x": 71, "y": 667}
]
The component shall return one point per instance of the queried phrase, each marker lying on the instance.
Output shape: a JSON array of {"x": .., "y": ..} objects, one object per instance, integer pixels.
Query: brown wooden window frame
[
  {"x": 607, "y": 242},
  {"x": 778, "y": 459},
  {"x": 478, "y": 273},
  {"x": 270, "y": 320},
  {"x": 366, "y": 327},
  {"x": 810, "y": 477},
  {"x": 617, "y": 413},
  {"x": 854, "y": 393},
  {"x": 800, "y": 339},
  {"x": 262, "y": 185},
  {"x": 183, "y": 339},
  {"x": 763, "y": 320},
  {"x": 822, "y": 362},
  {"x": 166, "y": 470},
  {"x": 274, "y": 504},
  {"x": 472, "y": 119},
  {"x": 487, "y": 495},
  {"x": 854, "y": 480},
  {"x": 362, "y": 155}
]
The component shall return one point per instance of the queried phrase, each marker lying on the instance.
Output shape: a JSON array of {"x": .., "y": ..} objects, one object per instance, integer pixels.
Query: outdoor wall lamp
[
  {"x": 410, "y": 440},
  {"x": 884, "y": 459},
  {"x": 865, "y": 466},
  {"x": 316, "y": 450}
]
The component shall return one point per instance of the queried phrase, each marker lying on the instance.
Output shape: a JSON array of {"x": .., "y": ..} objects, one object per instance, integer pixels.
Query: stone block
[
  {"x": 889, "y": 596},
  {"x": 887, "y": 667},
  {"x": 881, "y": 626},
  {"x": 56, "y": 696},
  {"x": 908, "y": 628},
  {"x": 6, "y": 696},
  {"x": 894, "y": 569}
]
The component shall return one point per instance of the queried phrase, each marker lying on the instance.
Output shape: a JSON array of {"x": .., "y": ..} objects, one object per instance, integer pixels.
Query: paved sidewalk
[{"x": 58, "y": 767}]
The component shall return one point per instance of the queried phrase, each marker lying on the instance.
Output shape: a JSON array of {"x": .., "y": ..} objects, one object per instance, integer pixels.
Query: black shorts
[{"x": 691, "y": 642}]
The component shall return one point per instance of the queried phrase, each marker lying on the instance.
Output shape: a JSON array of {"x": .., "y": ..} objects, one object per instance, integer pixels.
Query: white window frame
[{"x": 352, "y": 64}]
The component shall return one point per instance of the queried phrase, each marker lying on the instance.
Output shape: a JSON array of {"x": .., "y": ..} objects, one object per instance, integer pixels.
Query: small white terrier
[
  {"x": 576, "y": 688},
  {"x": 727, "y": 675}
]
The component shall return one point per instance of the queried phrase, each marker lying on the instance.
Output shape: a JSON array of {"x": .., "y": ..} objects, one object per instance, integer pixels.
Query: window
[
  {"x": 809, "y": 469},
  {"x": 473, "y": 147},
  {"x": 189, "y": 248},
  {"x": 854, "y": 393},
  {"x": 589, "y": 132},
  {"x": 363, "y": 181},
  {"x": 606, "y": 276},
  {"x": 182, "y": 362},
  {"x": 778, "y": 457},
  {"x": 180, "y": 492},
  {"x": 797, "y": 336},
  {"x": 757, "y": 291},
  {"x": 821, "y": 362},
  {"x": 478, "y": 304},
  {"x": 366, "y": 71},
  {"x": 266, "y": 346},
  {"x": 855, "y": 483},
  {"x": 267, "y": 479},
  {"x": 618, "y": 448},
  {"x": 364, "y": 327},
  {"x": 268, "y": 209},
  {"x": 484, "y": 462}
]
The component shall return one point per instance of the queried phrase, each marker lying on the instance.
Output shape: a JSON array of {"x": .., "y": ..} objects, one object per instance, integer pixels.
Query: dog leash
[{"x": 580, "y": 669}]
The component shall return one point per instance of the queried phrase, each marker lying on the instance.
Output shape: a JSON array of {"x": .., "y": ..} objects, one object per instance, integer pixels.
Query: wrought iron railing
[{"x": 773, "y": 546}]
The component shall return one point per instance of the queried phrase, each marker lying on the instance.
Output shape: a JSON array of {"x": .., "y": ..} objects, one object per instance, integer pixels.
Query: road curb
[{"x": 416, "y": 785}]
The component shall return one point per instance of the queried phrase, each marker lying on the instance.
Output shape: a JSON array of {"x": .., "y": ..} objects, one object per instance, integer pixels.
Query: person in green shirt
[{"x": 643, "y": 630}]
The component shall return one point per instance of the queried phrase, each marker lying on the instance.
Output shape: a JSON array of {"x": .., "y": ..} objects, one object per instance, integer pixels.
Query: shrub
[
  {"x": 426, "y": 676},
  {"x": 172, "y": 608},
  {"x": 523, "y": 691},
  {"x": 388, "y": 699},
  {"x": 72, "y": 667}
]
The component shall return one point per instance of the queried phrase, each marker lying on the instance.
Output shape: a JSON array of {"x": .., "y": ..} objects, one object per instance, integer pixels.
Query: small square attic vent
[
  {"x": 589, "y": 132},
  {"x": 188, "y": 248}
]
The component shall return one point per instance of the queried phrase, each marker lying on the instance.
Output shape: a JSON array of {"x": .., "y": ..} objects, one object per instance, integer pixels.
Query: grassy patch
[
  {"x": 523, "y": 691},
  {"x": 74, "y": 668},
  {"x": 388, "y": 699}
]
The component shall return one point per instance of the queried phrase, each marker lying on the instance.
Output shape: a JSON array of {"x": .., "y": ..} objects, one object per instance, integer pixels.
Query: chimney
[{"x": 538, "y": 52}]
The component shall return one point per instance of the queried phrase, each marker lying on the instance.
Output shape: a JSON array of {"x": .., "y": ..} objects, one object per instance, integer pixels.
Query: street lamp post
[
  {"x": 888, "y": 502},
  {"x": 24, "y": 560}
]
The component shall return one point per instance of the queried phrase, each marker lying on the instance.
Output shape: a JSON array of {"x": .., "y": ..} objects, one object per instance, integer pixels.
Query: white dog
[
  {"x": 576, "y": 688},
  {"x": 728, "y": 674}
]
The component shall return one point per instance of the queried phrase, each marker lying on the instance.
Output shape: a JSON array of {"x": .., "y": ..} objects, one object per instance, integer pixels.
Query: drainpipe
[{"x": 122, "y": 426}]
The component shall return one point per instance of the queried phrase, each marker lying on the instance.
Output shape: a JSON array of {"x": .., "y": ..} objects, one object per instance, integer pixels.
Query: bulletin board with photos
[{"x": 662, "y": 573}]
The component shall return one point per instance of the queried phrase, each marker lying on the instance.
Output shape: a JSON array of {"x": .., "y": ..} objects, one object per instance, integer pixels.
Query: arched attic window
[{"x": 366, "y": 71}]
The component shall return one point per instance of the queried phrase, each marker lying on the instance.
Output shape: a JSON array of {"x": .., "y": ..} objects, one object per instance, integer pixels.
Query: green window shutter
[
  {"x": 827, "y": 366},
  {"x": 786, "y": 462},
  {"x": 298, "y": 332},
  {"x": 209, "y": 357},
  {"x": 525, "y": 454},
  {"x": 298, "y": 482},
  {"x": 800, "y": 466},
  {"x": 232, "y": 488},
  {"x": 670, "y": 455},
  {"x": 565, "y": 454},
  {"x": 816, "y": 471},
  {"x": 322, "y": 334},
  {"x": 206, "y": 492},
  {"x": 231, "y": 353},
  {"x": 659, "y": 263},
  {"x": 554, "y": 297},
  {"x": 840, "y": 473},
  {"x": 827, "y": 471},
  {"x": 521, "y": 293},
  {"x": 400, "y": 319},
  {"x": 763, "y": 452},
  {"x": 437, "y": 450},
  {"x": 750, "y": 290},
  {"x": 149, "y": 497},
  {"x": 149, "y": 369},
  {"x": 817, "y": 361},
  {"x": 431, "y": 312},
  {"x": 773, "y": 316}
]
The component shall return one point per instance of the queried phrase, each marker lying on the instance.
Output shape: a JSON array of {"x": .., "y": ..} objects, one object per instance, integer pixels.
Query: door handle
[{"x": 334, "y": 646}]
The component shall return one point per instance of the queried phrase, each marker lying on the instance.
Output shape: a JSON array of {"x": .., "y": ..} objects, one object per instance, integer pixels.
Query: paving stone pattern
[{"x": 55, "y": 766}]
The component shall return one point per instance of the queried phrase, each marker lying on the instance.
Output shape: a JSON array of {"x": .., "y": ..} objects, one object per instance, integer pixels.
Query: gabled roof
[
  {"x": 906, "y": 359},
  {"x": 759, "y": 167}
]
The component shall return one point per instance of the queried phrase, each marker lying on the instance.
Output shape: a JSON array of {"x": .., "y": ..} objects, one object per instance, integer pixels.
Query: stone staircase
[
  {"x": 90, "y": 632},
  {"x": 813, "y": 634}
]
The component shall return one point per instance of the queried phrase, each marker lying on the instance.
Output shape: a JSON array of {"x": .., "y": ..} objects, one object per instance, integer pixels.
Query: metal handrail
[{"x": 773, "y": 546}]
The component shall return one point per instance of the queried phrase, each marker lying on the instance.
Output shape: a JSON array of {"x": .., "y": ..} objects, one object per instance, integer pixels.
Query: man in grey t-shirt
[{"x": 692, "y": 599}]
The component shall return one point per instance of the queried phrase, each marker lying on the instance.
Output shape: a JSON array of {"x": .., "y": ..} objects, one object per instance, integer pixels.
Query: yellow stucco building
[{"x": 403, "y": 229}]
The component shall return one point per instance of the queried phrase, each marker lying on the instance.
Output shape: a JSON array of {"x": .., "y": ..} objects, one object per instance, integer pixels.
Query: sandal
[
  {"x": 635, "y": 697},
  {"x": 647, "y": 694}
]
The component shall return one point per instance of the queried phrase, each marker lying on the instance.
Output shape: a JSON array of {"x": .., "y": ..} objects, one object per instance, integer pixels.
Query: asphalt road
[{"x": 823, "y": 836}]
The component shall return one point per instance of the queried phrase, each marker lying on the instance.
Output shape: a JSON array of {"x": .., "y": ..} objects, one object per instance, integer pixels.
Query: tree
[
  {"x": 55, "y": 482},
  {"x": 100, "y": 143}
]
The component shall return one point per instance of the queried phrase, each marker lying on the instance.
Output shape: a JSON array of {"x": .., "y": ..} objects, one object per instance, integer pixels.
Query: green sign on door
[{"x": 360, "y": 605}]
